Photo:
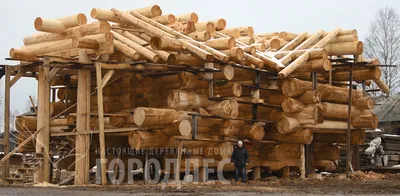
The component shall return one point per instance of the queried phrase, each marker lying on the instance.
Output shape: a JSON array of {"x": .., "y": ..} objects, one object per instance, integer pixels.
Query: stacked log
[{"x": 164, "y": 69}]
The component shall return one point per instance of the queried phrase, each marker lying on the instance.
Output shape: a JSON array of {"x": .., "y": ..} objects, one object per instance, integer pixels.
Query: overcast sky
[{"x": 264, "y": 16}]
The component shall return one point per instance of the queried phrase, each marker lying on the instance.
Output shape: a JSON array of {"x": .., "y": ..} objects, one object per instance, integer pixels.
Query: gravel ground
[{"x": 359, "y": 184}]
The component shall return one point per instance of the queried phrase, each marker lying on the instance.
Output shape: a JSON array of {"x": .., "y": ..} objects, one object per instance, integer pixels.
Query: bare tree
[{"x": 383, "y": 43}]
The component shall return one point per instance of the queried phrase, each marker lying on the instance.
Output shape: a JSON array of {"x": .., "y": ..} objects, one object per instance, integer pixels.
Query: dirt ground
[{"x": 359, "y": 183}]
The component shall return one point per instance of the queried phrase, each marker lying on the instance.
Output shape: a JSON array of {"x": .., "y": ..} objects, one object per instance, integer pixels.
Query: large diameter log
[
  {"x": 126, "y": 50},
  {"x": 157, "y": 116},
  {"x": 190, "y": 17},
  {"x": 344, "y": 38},
  {"x": 71, "y": 94},
  {"x": 165, "y": 19},
  {"x": 204, "y": 52},
  {"x": 147, "y": 139},
  {"x": 184, "y": 99},
  {"x": 225, "y": 108},
  {"x": 187, "y": 59},
  {"x": 252, "y": 132},
  {"x": 220, "y": 24},
  {"x": 358, "y": 75},
  {"x": 181, "y": 128},
  {"x": 295, "y": 87},
  {"x": 292, "y": 105},
  {"x": 142, "y": 50},
  {"x": 302, "y": 136},
  {"x": 338, "y": 111},
  {"x": 287, "y": 125},
  {"x": 279, "y": 152},
  {"x": 184, "y": 28},
  {"x": 235, "y": 53},
  {"x": 221, "y": 43},
  {"x": 346, "y": 48},
  {"x": 46, "y": 47},
  {"x": 365, "y": 121},
  {"x": 365, "y": 103},
  {"x": 311, "y": 97},
  {"x": 200, "y": 35},
  {"x": 327, "y": 152},
  {"x": 49, "y": 25},
  {"x": 231, "y": 89},
  {"x": 317, "y": 65},
  {"x": 234, "y": 32},
  {"x": 150, "y": 11},
  {"x": 311, "y": 114},
  {"x": 57, "y": 107},
  {"x": 105, "y": 15},
  {"x": 317, "y": 53},
  {"x": 79, "y": 31},
  {"x": 357, "y": 137},
  {"x": 384, "y": 88},
  {"x": 205, "y": 26},
  {"x": 246, "y": 40},
  {"x": 246, "y": 31},
  {"x": 168, "y": 44},
  {"x": 30, "y": 122}
]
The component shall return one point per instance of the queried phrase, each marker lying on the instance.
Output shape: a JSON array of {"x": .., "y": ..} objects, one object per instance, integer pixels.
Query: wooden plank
[
  {"x": 100, "y": 110},
  {"x": 107, "y": 77},
  {"x": 33, "y": 104},
  {"x": 52, "y": 73},
  {"x": 22, "y": 144},
  {"x": 16, "y": 78},
  {"x": 6, "y": 169}
]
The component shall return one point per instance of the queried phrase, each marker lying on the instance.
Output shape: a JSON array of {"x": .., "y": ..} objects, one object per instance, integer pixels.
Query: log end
[
  {"x": 231, "y": 42},
  {"x": 38, "y": 23},
  {"x": 229, "y": 72},
  {"x": 326, "y": 65},
  {"x": 221, "y": 24},
  {"x": 194, "y": 17},
  {"x": 207, "y": 35},
  {"x": 105, "y": 27},
  {"x": 156, "y": 10},
  {"x": 360, "y": 47},
  {"x": 171, "y": 18},
  {"x": 275, "y": 43},
  {"x": 94, "y": 13},
  {"x": 139, "y": 116},
  {"x": 81, "y": 18},
  {"x": 237, "y": 89},
  {"x": 185, "y": 128},
  {"x": 155, "y": 43},
  {"x": 171, "y": 59}
]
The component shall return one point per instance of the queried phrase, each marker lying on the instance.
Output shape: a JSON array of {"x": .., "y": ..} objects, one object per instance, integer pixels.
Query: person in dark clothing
[{"x": 240, "y": 158}]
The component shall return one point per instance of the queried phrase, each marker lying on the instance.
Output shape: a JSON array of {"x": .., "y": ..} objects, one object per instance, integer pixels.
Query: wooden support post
[
  {"x": 16, "y": 78},
  {"x": 203, "y": 174},
  {"x": 302, "y": 162},
  {"x": 100, "y": 109},
  {"x": 146, "y": 167},
  {"x": 52, "y": 73},
  {"x": 309, "y": 154},
  {"x": 356, "y": 157},
  {"x": 178, "y": 162},
  {"x": 210, "y": 76},
  {"x": 256, "y": 173},
  {"x": 43, "y": 120},
  {"x": 6, "y": 169},
  {"x": 82, "y": 127},
  {"x": 285, "y": 172},
  {"x": 348, "y": 144}
]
